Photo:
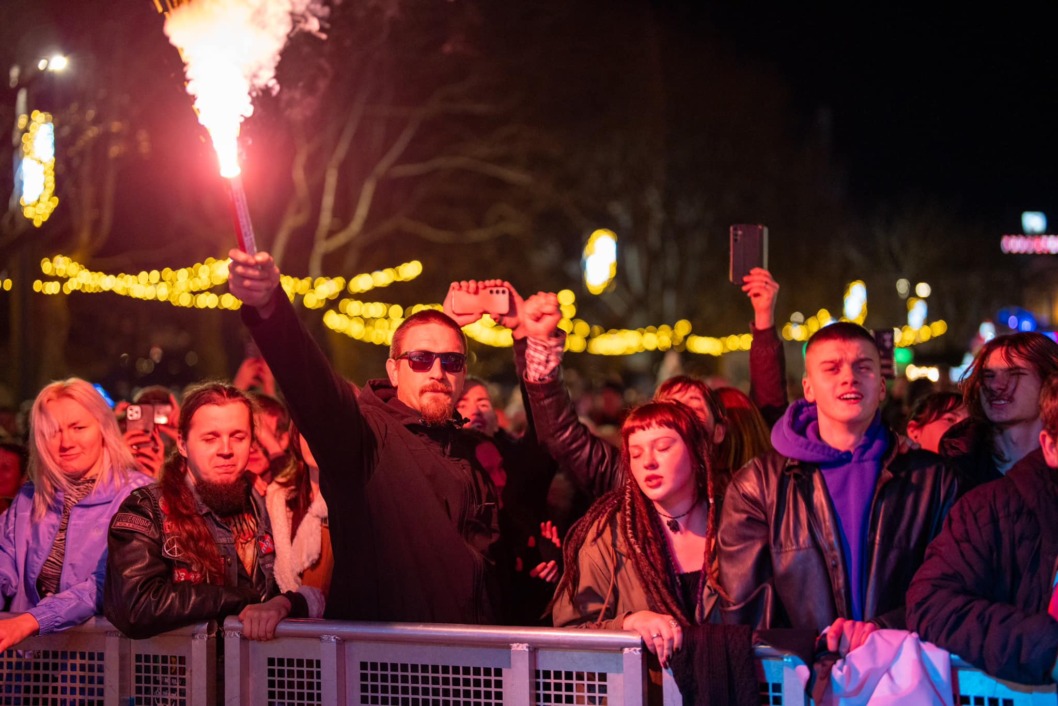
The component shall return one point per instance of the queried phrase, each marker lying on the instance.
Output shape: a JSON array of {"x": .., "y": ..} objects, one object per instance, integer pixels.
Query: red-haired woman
[{"x": 642, "y": 558}]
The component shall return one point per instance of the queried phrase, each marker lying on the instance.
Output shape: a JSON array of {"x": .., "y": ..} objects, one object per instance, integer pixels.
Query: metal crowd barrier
[
  {"x": 389, "y": 664},
  {"x": 385, "y": 664},
  {"x": 95, "y": 664}
]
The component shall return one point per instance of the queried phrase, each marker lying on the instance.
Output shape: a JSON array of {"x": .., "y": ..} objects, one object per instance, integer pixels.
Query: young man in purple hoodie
[{"x": 826, "y": 532}]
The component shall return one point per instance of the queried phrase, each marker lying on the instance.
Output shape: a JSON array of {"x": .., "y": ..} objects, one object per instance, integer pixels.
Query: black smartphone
[
  {"x": 749, "y": 249},
  {"x": 886, "y": 345}
]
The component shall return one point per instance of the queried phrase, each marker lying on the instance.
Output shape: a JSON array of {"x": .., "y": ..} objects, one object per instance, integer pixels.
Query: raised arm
[
  {"x": 593, "y": 464},
  {"x": 321, "y": 402},
  {"x": 767, "y": 360}
]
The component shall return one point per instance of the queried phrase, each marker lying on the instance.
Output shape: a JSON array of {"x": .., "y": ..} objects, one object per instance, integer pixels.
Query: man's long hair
[
  {"x": 186, "y": 526},
  {"x": 1038, "y": 351},
  {"x": 638, "y": 521},
  {"x": 44, "y": 469}
]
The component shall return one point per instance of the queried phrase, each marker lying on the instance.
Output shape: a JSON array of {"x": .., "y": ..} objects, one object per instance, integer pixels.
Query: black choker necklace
[{"x": 671, "y": 520}]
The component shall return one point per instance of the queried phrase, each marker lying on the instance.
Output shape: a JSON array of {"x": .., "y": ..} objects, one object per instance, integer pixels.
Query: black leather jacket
[
  {"x": 149, "y": 589},
  {"x": 781, "y": 562}
]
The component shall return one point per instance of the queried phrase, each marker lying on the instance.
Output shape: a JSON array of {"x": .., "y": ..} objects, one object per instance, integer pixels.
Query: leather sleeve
[
  {"x": 592, "y": 464},
  {"x": 744, "y": 551},
  {"x": 140, "y": 596},
  {"x": 767, "y": 374},
  {"x": 963, "y": 597}
]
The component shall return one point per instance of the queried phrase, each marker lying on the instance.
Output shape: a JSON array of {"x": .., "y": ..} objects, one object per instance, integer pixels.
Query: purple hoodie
[{"x": 850, "y": 477}]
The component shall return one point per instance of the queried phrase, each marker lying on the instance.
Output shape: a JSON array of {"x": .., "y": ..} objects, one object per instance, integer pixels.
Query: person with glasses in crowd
[{"x": 414, "y": 523}]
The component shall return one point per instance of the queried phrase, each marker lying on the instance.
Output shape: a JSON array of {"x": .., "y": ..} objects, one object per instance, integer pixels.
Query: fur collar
[{"x": 295, "y": 555}]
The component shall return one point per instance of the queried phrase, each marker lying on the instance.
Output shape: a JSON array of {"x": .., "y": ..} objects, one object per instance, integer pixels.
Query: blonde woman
[{"x": 53, "y": 538}]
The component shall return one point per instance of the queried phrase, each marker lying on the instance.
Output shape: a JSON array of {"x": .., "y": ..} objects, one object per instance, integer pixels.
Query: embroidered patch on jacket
[
  {"x": 186, "y": 575},
  {"x": 125, "y": 520},
  {"x": 171, "y": 548},
  {"x": 266, "y": 545}
]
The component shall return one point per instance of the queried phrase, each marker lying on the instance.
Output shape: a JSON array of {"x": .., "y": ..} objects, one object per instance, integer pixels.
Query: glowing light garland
[
  {"x": 37, "y": 167},
  {"x": 375, "y": 321}
]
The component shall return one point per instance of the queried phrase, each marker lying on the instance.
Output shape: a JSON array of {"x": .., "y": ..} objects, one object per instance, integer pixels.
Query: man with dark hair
[
  {"x": 825, "y": 532},
  {"x": 197, "y": 545},
  {"x": 1002, "y": 394},
  {"x": 413, "y": 515},
  {"x": 987, "y": 589}
]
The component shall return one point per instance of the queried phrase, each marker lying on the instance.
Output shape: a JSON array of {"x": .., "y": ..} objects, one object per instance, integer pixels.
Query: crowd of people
[{"x": 716, "y": 515}]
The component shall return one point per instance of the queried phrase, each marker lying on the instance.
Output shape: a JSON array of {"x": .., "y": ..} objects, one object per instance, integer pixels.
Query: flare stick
[{"x": 241, "y": 215}]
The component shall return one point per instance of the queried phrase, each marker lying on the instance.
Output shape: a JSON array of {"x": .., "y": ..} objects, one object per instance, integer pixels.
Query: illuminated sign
[
  {"x": 1029, "y": 244},
  {"x": 1034, "y": 222}
]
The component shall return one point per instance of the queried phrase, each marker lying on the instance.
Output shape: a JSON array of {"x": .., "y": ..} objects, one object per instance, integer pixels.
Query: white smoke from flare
[{"x": 230, "y": 50}]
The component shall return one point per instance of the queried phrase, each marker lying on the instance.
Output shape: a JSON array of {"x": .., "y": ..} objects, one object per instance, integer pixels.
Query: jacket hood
[
  {"x": 796, "y": 436},
  {"x": 381, "y": 393}
]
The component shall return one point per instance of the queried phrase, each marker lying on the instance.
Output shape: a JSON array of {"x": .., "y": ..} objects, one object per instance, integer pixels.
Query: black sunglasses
[{"x": 422, "y": 361}]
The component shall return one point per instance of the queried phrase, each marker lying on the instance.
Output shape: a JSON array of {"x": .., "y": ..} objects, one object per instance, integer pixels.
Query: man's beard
[
  {"x": 224, "y": 499},
  {"x": 435, "y": 408}
]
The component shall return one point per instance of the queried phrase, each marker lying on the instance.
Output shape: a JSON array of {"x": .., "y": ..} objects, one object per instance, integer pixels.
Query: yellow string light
[{"x": 374, "y": 321}]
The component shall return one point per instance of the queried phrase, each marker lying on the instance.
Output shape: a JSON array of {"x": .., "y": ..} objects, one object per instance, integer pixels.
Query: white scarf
[{"x": 293, "y": 557}]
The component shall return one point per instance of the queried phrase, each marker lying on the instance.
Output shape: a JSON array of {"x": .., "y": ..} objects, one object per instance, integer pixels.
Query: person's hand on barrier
[
  {"x": 148, "y": 449},
  {"x": 843, "y": 636},
  {"x": 253, "y": 279},
  {"x": 15, "y": 630},
  {"x": 662, "y": 634},
  {"x": 762, "y": 291},
  {"x": 541, "y": 316},
  {"x": 259, "y": 620}
]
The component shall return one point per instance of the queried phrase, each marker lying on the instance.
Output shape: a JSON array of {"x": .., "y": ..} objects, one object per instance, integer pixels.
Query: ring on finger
[{"x": 655, "y": 636}]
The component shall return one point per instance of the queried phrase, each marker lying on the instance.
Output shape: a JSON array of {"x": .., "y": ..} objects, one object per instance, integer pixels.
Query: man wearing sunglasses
[{"x": 413, "y": 515}]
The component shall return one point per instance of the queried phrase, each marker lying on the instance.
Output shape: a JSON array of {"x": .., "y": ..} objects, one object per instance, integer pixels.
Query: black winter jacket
[
  {"x": 968, "y": 448},
  {"x": 149, "y": 589},
  {"x": 413, "y": 516},
  {"x": 781, "y": 562},
  {"x": 983, "y": 590}
]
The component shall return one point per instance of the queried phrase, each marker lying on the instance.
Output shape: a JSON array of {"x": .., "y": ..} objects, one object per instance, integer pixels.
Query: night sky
[
  {"x": 956, "y": 105},
  {"x": 924, "y": 107}
]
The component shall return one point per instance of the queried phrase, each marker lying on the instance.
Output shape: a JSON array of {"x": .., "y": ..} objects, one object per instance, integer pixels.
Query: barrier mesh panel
[
  {"x": 294, "y": 681},
  {"x": 770, "y": 693},
  {"x": 51, "y": 677},
  {"x": 972, "y": 700},
  {"x": 404, "y": 684},
  {"x": 160, "y": 680},
  {"x": 770, "y": 673},
  {"x": 554, "y": 686}
]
